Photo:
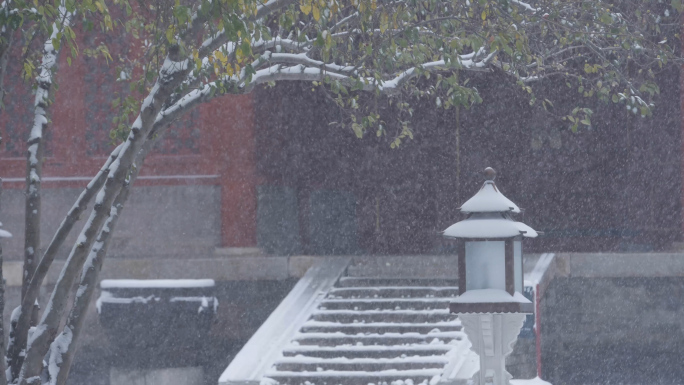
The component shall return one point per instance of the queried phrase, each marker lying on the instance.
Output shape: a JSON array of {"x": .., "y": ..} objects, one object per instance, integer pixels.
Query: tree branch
[{"x": 19, "y": 330}]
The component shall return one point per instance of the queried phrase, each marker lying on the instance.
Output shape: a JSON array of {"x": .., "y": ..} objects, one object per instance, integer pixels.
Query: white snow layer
[
  {"x": 155, "y": 283},
  {"x": 489, "y": 226},
  {"x": 489, "y": 199},
  {"x": 532, "y": 381}
]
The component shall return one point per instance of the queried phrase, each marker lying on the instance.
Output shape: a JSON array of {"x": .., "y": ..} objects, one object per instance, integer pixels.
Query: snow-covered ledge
[{"x": 268, "y": 342}]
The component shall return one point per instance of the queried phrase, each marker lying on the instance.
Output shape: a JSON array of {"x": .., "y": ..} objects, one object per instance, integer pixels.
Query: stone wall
[
  {"x": 611, "y": 318},
  {"x": 613, "y": 330},
  {"x": 156, "y": 221}
]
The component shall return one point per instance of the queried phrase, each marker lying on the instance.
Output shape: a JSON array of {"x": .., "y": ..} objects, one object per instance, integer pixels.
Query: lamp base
[{"x": 492, "y": 336}]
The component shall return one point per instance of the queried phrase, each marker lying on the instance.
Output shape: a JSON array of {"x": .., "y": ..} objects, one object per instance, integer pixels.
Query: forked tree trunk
[{"x": 171, "y": 75}]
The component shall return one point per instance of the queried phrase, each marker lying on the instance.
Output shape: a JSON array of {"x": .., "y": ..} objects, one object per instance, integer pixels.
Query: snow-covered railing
[
  {"x": 275, "y": 334},
  {"x": 539, "y": 278}
]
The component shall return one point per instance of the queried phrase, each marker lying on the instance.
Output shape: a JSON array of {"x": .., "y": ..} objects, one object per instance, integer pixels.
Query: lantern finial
[{"x": 489, "y": 173}]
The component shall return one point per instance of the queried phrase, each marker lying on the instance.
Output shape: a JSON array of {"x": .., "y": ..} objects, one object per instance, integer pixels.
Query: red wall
[{"x": 213, "y": 145}]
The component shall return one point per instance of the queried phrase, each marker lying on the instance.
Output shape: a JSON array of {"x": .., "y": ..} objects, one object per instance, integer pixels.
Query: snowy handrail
[{"x": 274, "y": 335}]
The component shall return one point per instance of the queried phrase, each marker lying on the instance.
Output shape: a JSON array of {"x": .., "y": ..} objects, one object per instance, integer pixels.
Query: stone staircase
[
  {"x": 368, "y": 320},
  {"x": 375, "y": 331}
]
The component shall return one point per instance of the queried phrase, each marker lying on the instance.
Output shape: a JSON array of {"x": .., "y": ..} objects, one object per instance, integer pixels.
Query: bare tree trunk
[
  {"x": 34, "y": 173},
  {"x": 35, "y": 146},
  {"x": 63, "y": 349},
  {"x": 19, "y": 331},
  {"x": 3, "y": 379}
]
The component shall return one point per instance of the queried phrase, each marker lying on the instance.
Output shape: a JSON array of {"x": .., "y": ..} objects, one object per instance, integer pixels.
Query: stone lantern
[{"x": 490, "y": 303}]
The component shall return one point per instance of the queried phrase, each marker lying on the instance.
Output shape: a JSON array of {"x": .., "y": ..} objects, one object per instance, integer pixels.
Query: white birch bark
[
  {"x": 35, "y": 145},
  {"x": 3, "y": 234},
  {"x": 172, "y": 73},
  {"x": 19, "y": 329},
  {"x": 34, "y": 158}
]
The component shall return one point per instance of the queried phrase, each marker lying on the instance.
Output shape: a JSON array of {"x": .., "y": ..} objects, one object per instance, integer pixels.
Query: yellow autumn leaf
[
  {"x": 222, "y": 58},
  {"x": 316, "y": 13},
  {"x": 305, "y": 6},
  {"x": 374, "y": 4},
  {"x": 384, "y": 22},
  {"x": 484, "y": 15}
]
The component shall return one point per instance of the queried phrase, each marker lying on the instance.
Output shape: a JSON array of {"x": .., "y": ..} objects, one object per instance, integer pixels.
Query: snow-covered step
[
  {"x": 367, "y": 351},
  {"x": 386, "y": 303},
  {"x": 400, "y": 316},
  {"x": 379, "y": 327},
  {"x": 332, "y": 377},
  {"x": 394, "y": 292},
  {"x": 390, "y": 339},
  {"x": 370, "y": 282},
  {"x": 301, "y": 364}
]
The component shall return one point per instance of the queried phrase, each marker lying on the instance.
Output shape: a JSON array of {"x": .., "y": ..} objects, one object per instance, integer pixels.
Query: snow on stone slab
[
  {"x": 386, "y": 300},
  {"x": 343, "y": 360},
  {"x": 5, "y": 234},
  {"x": 335, "y": 335},
  {"x": 379, "y": 288},
  {"x": 365, "y": 348},
  {"x": 204, "y": 302},
  {"x": 107, "y": 297},
  {"x": 155, "y": 283},
  {"x": 454, "y": 322},
  {"x": 532, "y": 381},
  {"x": 490, "y": 296},
  {"x": 351, "y": 374},
  {"x": 387, "y": 311}
]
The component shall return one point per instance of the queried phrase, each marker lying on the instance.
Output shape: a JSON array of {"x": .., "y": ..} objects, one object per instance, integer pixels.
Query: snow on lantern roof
[
  {"x": 489, "y": 226},
  {"x": 489, "y": 199}
]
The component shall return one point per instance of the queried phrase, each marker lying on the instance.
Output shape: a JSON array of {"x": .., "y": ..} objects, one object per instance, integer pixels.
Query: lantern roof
[
  {"x": 492, "y": 225},
  {"x": 489, "y": 199},
  {"x": 489, "y": 215}
]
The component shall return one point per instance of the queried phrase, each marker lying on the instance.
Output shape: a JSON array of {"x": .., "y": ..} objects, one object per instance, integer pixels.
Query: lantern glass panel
[
  {"x": 518, "y": 266},
  {"x": 485, "y": 265}
]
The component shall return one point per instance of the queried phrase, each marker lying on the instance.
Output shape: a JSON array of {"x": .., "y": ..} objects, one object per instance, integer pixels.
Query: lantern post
[{"x": 490, "y": 304}]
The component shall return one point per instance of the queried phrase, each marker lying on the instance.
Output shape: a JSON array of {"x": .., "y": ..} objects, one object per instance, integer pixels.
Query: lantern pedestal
[{"x": 492, "y": 336}]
